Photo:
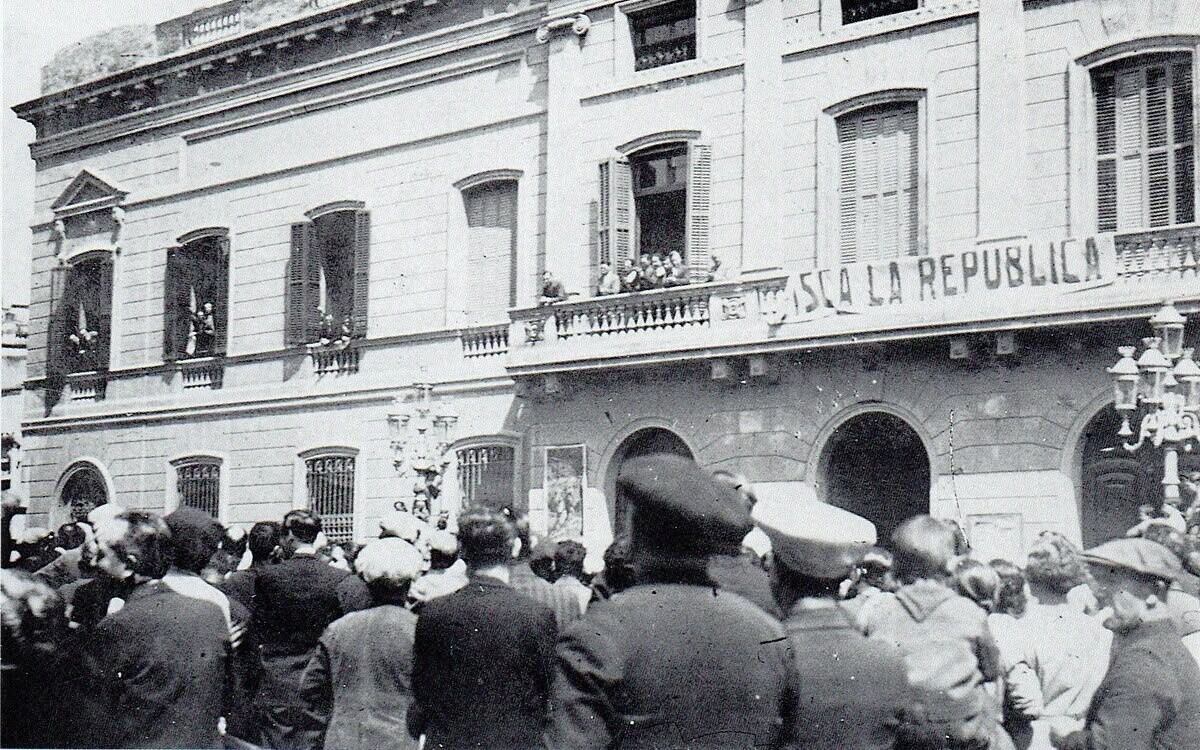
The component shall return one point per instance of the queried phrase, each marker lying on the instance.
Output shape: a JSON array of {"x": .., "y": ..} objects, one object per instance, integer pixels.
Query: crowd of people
[
  {"x": 725, "y": 618},
  {"x": 652, "y": 271}
]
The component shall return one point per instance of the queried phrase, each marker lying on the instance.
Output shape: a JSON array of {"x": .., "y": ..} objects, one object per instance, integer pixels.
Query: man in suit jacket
[
  {"x": 294, "y": 602},
  {"x": 158, "y": 666},
  {"x": 483, "y": 655},
  {"x": 674, "y": 661}
]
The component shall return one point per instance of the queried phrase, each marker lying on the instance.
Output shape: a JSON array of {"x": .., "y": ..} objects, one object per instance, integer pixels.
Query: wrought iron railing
[
  {"x": 330, "y": 483},
  {"x": 199, "y": 486}
]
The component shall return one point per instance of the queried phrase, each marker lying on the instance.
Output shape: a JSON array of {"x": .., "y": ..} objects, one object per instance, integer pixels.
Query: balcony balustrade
[
  {"x": 485, "y": 341},
  {"x": 1162, "y": 254},
  {"x": 335, "y": 359},
  {"x": 86, "y": 386},
  {"x": 201, "y": 372}
]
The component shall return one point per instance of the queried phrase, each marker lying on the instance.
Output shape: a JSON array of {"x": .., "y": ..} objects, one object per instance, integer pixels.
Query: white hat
[
  {"x": 390, "y": 558},
  {"x": 401, "y": 525},
  {"x": 808, "y": 536}
]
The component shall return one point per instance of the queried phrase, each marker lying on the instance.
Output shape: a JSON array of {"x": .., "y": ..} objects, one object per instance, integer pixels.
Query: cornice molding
[{"x": 366, "y": 62}]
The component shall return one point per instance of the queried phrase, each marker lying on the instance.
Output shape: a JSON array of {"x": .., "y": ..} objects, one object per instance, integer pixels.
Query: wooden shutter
[
  {"x": 1144, "y": 140},
  {"x": 699, "y": 202},
  {"x": 615, "y": 225},
  {"x": 299, "y": 299},
  {"x": 491, "y": 249},
  {"x": 878, "y": 183},
  {"x": 56, "y": 323},
  {"x": 104, "y": 311},
  {"x": 221, "y": 298},
  {"x": 175, "y": 304},
  {"x": 362, "y": 272}
]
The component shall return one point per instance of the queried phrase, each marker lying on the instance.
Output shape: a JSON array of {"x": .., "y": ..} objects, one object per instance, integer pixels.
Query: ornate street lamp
[
  {"x": 421, "y": 435},
  {"x": 1166, "y": 379}
]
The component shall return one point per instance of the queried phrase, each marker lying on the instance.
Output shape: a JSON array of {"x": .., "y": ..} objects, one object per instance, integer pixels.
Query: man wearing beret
[
  {"x": 1150, "y": 697},
  {"x": 674, "y": 661},
  {"x": 852, "y": 690}
]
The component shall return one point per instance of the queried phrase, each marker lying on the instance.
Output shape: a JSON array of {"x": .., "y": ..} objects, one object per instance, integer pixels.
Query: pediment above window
[{"x": 88, "y": 192}]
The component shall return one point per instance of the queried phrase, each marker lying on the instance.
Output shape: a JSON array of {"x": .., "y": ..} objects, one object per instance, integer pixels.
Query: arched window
[
  {"x": 329, "y": 477},
  {"x": 198, "y": 484},
  {"x": 486, "y": 475},
  {"x": 878, "y": 182},
  {"x": 82, "y": 488},
  {"x": 196, "y": 296},
  {"x": 81, "y": 313},
  {"x": 491, "y": 270},
  {"x": 1145, "y": 142},
  {"x": 329, "y": 275}
]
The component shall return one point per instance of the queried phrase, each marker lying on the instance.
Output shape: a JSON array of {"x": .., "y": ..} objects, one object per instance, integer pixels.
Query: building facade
[
  {"x": 12, "y": 405},
  {"x": 296, "y": 259}
]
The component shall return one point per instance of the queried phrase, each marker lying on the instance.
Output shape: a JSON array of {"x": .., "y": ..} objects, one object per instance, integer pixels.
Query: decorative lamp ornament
[
  {"x": 1125, "y": 381},
  {"x": 1155, "y": 366},
  {"x": 1187, "y": 373},
  {"x": 1168, "y": 327}
]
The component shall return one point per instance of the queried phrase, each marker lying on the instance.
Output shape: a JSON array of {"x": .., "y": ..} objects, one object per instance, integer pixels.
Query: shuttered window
[
  {"x": 655, "y": 202},
  {"x": 330, "y": 483},
  {"x": 198, "y": 485},
  {"x": 81, "y": 315},
  {"x": 196, "y": 299},
  {"x": 485, "y": 476},
  {"x": 1145, "y": 138},
  {"x": 491, "y": 250},
  {"x": 878, "y": 183},
  {"x": 328, "y": 277}
]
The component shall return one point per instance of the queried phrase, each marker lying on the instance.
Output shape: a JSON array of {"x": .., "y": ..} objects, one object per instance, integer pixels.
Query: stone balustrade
[
  {"x": 484, "y": 341},
  {"x": 201, "y": 372},
  {"x": 335, "y": 359},
  {"x": 1161, "y": 254},
  {"x": 86, "y": 386}
]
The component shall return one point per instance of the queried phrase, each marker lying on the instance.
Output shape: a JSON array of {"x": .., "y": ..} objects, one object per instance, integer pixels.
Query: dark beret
[
  {"x": 1141, "y": 556},
  {"x": 194, "y": 527},
  {"x": 679, "y": 508}
]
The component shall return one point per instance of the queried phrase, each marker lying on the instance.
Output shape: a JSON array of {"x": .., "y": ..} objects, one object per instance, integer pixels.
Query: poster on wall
[{"x": 564, "y": 483}]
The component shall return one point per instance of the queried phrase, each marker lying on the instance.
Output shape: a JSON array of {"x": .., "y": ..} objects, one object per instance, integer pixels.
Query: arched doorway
[
  {"x": 645, "y": 442},
  {"x": 1114, "y": 482},
  {"x": 83, "y": 489},
  {"x": 875, "y": 465}
]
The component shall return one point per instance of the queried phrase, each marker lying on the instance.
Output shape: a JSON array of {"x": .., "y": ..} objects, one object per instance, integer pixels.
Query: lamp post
[
  {"x": 1166, "y": 380},
  {"x": 421, "y": 435}
]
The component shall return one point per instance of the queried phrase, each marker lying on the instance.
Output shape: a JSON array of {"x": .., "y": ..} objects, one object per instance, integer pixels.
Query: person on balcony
[
  {"x": 638, "y": 278},
  {"x": 204, "y": 330},
  {"x": 658, "y": 273},
  {"x": 677, "y": 272},
  {"x": 609, "y": 282},
  {"x": 552, "y": 290}
]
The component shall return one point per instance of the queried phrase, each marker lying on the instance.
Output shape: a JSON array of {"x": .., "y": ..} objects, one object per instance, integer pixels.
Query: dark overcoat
[
  {"x": 158, "y": 672},
  {"x": 482, "y": 665},
  {"x": 853, "y": 690},
  {"x": 671, "y": 665}
]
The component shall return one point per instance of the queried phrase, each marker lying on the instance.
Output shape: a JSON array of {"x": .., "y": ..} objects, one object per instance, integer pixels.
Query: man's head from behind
[
  {"x": 923, "y": 547},
  {"x": 300, "y": 529},
  {"x": 196, "y": 537},
  {"x": 263, "y": 541},
  {"x": 136, "y": 544},
  {"x": 568, "y": 559},
  {"x": 485, "y": 538}
]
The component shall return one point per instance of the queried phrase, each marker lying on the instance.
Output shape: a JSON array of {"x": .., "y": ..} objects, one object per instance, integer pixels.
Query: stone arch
[{"x": 84, "y": 485}]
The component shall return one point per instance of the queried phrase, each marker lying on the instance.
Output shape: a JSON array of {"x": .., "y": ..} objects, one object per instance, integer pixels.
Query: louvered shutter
[
  {"x": 1144, "y": 141},
  {"x": 104, "y": 306},
  {"x": 56, "y": 323},
  {"x": 297, "y": 302},
  {"x": 175, "y": 304},
  {"x": 221, "y": 298},
  {"x": 615, "y": 226},
  {"x": 699, "y": 203},
  {"x": 491, "y": 251},
  {"x": 878, "y": 199},
  {"x": 362, "y": 272}
]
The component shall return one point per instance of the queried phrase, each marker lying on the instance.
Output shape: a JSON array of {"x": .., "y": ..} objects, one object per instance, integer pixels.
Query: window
[
  {"x": 491, "y": 253},
  {"x": 1145, "y": 136},
  {"x": 878, "y": 191},
  {"x": 485, "y": 476},
  {"x": 198, "y": 485},
  {"x": 328, "y": 277},
  {"x": 655, "y": 202},
  {"x": 81, "y": 314},
  {"x": 854, "y": 11},
  {"x": 330, "y": 483},
  {"x": 196, "y": 298},
  {"x": 663, "y": 34}
]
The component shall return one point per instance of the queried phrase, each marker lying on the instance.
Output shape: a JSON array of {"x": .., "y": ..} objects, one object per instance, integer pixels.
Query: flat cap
[
  {"x": 808, "y": 536},
  {"x": 679, "y": 507},
  {"x": 443, "y": 542},
  {"x": 1138, "y": 555},
  {"x": 401, "y": 525},
  {"x": 391, "y": 558}
]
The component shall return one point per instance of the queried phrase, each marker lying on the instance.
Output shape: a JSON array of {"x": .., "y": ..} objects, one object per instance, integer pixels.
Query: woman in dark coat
[{"x": 358, "y": 686}]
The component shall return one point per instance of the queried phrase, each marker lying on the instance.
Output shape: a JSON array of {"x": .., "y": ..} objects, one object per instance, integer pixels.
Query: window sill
[
  {"x": 909, "y": 19},
  {"x": 663, "y": 74}
]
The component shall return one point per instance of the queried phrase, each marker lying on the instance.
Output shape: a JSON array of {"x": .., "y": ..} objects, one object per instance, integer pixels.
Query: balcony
[
  {"x": 201, "y": 372},
  {"x": 954, "y": 290},
  {"x": 86, "y": 386},
  {"x": 644, "y": 326}
]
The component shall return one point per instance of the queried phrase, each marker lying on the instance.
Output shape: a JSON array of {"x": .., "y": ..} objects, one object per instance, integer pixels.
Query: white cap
[
  {"x": 808, "y": 536},
  {"x": 390, "y": 558},
  {"x": 401, "y": 525}
]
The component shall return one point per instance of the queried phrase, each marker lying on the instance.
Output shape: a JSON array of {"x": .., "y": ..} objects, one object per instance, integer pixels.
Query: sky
[{"x": 32, "y": 31}]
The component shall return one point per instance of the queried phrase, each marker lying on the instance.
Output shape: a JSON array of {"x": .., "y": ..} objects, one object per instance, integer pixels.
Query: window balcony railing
[
  {"x": 1159, "y": 255},
  {"x": 217, "y": 26},
  {"x": 623, "y": 325},
  {"x": 87, "y": 386},
  {"x": 201, "y": 372},
  {"x": 484, "y": 341}
]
